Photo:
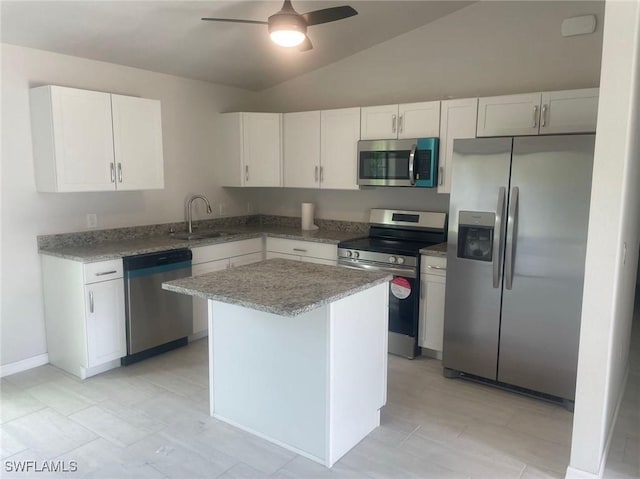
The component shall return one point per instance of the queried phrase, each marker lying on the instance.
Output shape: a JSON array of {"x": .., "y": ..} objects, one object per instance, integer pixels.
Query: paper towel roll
[{"x": 307, "y": 217}]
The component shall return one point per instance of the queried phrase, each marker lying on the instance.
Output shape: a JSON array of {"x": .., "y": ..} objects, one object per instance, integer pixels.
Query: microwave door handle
[{"x": 412, "y": 159}]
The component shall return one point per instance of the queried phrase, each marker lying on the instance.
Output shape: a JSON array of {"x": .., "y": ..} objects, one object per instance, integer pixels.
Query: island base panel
[{"x": 313, "y": 383}]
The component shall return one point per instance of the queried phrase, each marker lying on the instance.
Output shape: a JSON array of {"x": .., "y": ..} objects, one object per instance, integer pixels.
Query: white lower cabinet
[
  {"x": 309, "y": 251},
  {"x": 207, "y": 259},
  {"x": 84, "y": 314},
  {"x": 432, "y": 291}
]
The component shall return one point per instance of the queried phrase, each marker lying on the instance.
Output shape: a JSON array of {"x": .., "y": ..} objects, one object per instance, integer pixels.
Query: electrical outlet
[
  {"x": 92, "y": 220},
  {"x": 223, "y": 209},
  {"x": 249, "y": 207}
]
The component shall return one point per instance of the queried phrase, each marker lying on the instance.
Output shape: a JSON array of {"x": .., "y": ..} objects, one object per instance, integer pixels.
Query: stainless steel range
[{"x": 393, "y": 245}]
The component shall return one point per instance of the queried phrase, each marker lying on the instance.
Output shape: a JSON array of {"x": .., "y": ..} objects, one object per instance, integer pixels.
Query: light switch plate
[{"x": 92, "y": 220}]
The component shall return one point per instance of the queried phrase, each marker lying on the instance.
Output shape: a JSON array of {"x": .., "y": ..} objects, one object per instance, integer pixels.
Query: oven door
[{"x": 404, "y": 301}]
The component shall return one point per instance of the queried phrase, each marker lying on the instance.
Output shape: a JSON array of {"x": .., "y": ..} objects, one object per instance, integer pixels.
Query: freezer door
[
  {"x": 480, "y": 179},
  {"x": 544, "y": 266}
]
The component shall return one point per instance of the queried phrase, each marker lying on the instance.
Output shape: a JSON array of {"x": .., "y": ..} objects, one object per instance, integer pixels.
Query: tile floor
[{"x": 150, "y": 420}]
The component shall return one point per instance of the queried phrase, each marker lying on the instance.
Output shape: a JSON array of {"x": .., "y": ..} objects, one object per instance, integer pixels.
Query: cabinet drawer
[
  {"x": 433, "y": 265},
  {"x": 202, "y": 254},
  {"x": 303, "y": 248},
  {"x": 102, "y": 271}
]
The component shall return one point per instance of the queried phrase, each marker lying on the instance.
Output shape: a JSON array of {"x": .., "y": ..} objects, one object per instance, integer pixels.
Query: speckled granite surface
[
  {"x": 89, "y": 247},
  {"x": 439, "y": 250},
  {"x": 279, "y": 286}
]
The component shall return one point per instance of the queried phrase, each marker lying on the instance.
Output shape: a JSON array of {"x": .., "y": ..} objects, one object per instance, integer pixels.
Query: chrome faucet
[{"x": 190, "y": 214}]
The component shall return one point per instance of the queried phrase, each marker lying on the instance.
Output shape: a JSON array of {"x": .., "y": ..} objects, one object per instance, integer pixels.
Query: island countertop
[{"x": 279, "y": 286}]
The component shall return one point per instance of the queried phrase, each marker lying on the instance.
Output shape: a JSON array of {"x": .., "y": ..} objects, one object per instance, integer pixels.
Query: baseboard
[
  {"x": 25, "y": 364},
  {"x": 573, "y": 473},
  {"x": 198, "y": 335}
]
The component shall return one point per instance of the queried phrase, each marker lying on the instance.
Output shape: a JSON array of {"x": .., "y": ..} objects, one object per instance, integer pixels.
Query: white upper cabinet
[
  {"x": 250, "y": 149},
  {"x": 457, "y": 120},
  {"x": 339, "y": 135},
  {"x": 301, "y": 160},
  {"x": 81, "y": 144},
  {"x": 137, "y": 140},
  {"x": 408, "y": 120},
  {"x": 509, "y": 115},
  {"x": 419, "y": 120},
  {"x": 320, "y": 149},
  {"x": 569, "y": 111}
]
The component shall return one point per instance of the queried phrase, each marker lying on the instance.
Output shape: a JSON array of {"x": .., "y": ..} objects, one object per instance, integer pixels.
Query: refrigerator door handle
[
  {"x": 497, "y": 244},
  {"x": 511, "y": 243}
]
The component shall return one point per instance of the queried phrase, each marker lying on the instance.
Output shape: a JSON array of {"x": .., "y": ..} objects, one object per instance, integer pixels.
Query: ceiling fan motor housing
[{"x": 284, "y": 20}]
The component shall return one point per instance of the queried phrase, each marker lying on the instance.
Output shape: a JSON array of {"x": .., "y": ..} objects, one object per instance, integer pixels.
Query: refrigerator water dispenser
[{"x": 475, "y": 235}]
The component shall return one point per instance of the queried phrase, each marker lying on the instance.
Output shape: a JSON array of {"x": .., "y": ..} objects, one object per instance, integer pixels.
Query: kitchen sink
[{"x": 184, "y": 235}]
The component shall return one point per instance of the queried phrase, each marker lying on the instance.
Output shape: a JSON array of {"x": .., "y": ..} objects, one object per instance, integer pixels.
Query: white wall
[
  {"x": 487, "y": 48},
  {"x": 189, "y": 111},
  {"x": 613, "y": 243}
]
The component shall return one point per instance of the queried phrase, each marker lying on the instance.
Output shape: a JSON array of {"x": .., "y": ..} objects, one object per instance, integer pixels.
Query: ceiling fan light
[{"x": 287, "y": 38}]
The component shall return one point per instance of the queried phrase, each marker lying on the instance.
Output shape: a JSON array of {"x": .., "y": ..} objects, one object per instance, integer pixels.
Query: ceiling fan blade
[
  {"x": 328, "y": 15},
  {"x": 306, "y": 45},
  {"x": 233, "y": 20}
]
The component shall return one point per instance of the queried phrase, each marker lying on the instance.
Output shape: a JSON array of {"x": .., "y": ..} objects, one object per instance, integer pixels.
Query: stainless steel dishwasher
[{"x": 157, "y": 320}]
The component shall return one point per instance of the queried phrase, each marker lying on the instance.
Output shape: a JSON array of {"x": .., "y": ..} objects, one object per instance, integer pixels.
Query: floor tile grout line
[{"x": 402, "y": 443}]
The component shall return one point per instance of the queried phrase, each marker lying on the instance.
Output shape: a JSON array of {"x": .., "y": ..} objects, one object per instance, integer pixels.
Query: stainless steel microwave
[{"x": 412, "y": 162}]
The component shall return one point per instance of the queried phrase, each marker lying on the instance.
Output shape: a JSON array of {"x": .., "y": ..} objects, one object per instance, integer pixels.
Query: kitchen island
[{"x": 297, "y": 352}]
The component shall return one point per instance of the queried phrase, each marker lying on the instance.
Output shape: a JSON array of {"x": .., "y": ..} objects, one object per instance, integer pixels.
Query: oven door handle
[
  {"x": 412, "y": 159},
  {"x": 405, "y": 272}
]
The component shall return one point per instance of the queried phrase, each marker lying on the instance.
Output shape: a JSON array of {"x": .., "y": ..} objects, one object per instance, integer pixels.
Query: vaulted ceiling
[{"x": 170, "y": 37}]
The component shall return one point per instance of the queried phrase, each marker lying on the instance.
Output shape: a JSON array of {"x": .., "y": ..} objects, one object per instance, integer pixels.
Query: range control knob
[
  {"x": 348, "y": 254},
  {"x": 356, "y": 254},
  {"x": 400, "y": 260},
  {"x": 392, "y": 259}
]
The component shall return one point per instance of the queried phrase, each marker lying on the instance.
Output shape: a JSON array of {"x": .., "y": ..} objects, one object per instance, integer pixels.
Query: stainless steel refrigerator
[{"x": 518, "y": 221}]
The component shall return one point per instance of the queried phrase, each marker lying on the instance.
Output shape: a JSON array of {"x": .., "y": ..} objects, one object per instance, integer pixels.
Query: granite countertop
[
  {"x": 438, "y": 250},
  {"x": 279, "y": 286},
  {"x": 108, "y": 250}
]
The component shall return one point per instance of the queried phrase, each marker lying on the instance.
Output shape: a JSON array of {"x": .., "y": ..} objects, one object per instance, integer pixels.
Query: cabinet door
[
  {"x": 137, "y": 141},
  {"x": 419, "y": 120},
  {"x": 457, "y": 120},
  {"x": 301, "y": 156},
  {"x": 379, "y": 122},
  {"x": 105, "y": 321},
  {"x": 509, "y": 115},
  {"x": 261, "y": 149},
  {"x": 200, "y": 311},
  {"x": 83, "y": 140},
  {"x": 570, "y": 111},
  {"x": 432, "y": 291},
  {"x": 339, "y": 135}
]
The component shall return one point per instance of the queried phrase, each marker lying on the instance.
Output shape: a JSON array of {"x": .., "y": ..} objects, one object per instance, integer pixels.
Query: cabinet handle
[
  {"x": 299, "y": 250},
  {"x": 440, "y": 268},
  {"x": 535, "y": 116},
  {"x": 544, "y": 116},
  {"x": 421, "y": 290},
  {"x": 91, "y": 302},
  {"x": 102, "y": 273},
  {"x": 316, "y": 175},
  {"x": 120, "y": 172},
  {"x": 113, "y": 172},
  {"x": 401, "y": 124},
  {"x": 440, "y": 176},
  {"x": 246, "y": 173},
  {"x": 321, "y": 174},
  {"x": 393, "y": 123}
]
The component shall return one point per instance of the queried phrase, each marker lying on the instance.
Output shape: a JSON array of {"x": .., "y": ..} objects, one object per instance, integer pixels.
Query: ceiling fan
[{"x": 288, "y": 28}]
